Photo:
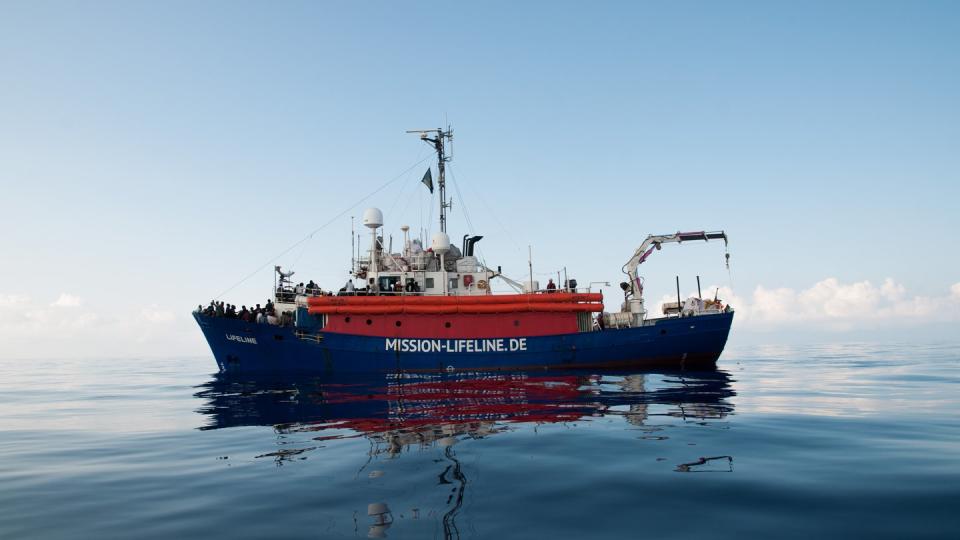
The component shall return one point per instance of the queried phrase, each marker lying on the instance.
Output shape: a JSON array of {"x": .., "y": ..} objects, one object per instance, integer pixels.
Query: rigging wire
[
  {"x": 321, "y": 227},
  {"x": 404, "y": 185},
  {"x": 389, "y": 212},
  {"x": 433, "y": 199},
  {"x": 414, "y": 195},
  {"x": 497, "y": 219},
  {"x": 466, "y": 214},
  {"x": 729, "y": 274},
  {"x": 463, "y": 202}
]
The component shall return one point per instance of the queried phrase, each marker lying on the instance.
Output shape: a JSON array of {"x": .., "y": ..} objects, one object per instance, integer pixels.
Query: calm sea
[{"x": 845, "y": 441}]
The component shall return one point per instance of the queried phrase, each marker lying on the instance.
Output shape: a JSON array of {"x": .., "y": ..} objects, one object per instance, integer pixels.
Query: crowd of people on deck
[
  {"x": 268, "y": 315},
  {"x": 288, "y": 294},
  {"x": 260, "y": 315}
]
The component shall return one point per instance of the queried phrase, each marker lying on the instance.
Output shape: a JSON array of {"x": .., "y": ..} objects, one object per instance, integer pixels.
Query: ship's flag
[{"x": 428, "y": 180}]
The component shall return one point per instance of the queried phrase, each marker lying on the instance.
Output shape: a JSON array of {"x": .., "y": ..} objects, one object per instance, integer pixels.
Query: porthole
[
  {"x": 446, "y": 325},
  {"x": 516, "y": 323},
  {"x": 663, "y": 332},
  {"x": 346, "y": 319},
  {"x": 369, "y": 322},
  {"x": 399, "y": 323}
]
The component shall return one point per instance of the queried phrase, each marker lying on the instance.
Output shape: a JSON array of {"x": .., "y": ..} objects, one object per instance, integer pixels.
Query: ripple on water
[{"x": 838, "y": 441}]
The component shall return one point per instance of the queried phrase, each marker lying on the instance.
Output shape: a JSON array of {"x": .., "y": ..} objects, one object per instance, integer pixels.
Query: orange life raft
[
  {"x": 409, "y": 300},
  {"x": 492, "y": 303}
]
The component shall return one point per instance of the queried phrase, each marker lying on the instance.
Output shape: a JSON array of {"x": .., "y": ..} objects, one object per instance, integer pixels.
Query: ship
[{"x": 433, "y": 309}]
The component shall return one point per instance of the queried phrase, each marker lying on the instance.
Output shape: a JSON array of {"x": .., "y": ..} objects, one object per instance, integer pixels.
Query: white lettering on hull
[
  {"x": 455, "y": 345},
  {"x": 242, "y": 339}
]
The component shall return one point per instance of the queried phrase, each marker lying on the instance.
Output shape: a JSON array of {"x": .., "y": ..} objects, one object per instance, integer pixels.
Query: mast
[{"x": 437, "y": 141}]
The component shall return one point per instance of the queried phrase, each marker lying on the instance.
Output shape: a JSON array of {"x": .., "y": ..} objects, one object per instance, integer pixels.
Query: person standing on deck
[{"x": 551, "y": 286}]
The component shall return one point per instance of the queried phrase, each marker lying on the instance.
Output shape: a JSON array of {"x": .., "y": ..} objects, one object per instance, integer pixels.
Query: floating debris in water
[
  {"x": 689, "y": 467},
  {"x": 285, "y": 453}
]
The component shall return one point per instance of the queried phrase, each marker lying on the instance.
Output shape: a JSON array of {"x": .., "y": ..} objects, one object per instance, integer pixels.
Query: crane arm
[
  {"x": 655, "y": 241},
  {"x": 513, "y": 283}
]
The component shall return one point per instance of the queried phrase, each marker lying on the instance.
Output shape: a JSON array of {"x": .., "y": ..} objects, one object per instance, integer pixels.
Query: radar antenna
[{"x": 437, "y": 141}]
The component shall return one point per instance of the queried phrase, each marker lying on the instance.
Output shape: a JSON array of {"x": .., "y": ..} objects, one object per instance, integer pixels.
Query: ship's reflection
[{"x": 398, "y": 412}]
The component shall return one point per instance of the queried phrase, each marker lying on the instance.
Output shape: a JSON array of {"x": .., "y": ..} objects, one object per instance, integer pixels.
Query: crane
[{"x": 634, "y": 289}]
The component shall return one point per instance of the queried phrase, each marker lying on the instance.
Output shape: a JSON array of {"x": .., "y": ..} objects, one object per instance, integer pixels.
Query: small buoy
[{"x": 377, "y": 509}]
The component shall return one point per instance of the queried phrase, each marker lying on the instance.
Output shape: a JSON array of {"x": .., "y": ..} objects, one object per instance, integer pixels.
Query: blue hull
[{"x": 240, "y": 346}]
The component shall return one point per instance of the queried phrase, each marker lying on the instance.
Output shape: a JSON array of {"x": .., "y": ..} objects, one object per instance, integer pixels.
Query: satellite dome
[
  {"x": 372, "y": 218},
  {"x": 441, "y": 243}
]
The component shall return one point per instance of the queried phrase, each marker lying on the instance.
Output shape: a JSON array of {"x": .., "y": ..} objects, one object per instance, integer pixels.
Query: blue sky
[{"x": 151, "y": 155}]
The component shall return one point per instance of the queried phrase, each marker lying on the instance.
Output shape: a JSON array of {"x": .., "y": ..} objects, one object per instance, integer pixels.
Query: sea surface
[{"x": 840, "y": 441}]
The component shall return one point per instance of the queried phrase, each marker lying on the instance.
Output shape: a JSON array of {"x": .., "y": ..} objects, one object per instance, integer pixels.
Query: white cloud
[
  {"x": 67, "y": 327},
  {"x": 154, "y": 314},
  {"x": 67, "y": 300},
  {"x": 14, "y": 300},
  {"x": 833, "y": 304},
  {"x": 892, "y": 290}
]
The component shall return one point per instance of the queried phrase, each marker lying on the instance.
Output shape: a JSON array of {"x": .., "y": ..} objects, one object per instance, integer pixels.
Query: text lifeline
[{"x": 455, "y": 345}]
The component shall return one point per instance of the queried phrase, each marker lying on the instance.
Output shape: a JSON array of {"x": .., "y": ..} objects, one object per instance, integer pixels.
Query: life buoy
[{"x": 482, "y": 284}]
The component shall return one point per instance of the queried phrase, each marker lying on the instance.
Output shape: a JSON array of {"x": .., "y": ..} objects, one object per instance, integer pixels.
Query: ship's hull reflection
[{"x": 399, "y": 410}]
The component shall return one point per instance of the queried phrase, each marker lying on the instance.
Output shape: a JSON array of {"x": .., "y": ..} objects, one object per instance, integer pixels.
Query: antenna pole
[
  {"x": 530, "y": 263},
  {"x": 438, "y": 145},
  {"x": 441, "y": 159},
  {"x": 679, "y": 305}
]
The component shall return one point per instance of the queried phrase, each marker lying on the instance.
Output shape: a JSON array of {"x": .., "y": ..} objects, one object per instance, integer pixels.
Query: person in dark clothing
[{"x": 551, "y": 286}]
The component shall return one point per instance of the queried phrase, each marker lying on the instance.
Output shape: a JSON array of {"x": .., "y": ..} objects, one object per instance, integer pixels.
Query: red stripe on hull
[
  {"x": 453, "y": 309},
  {"x": 388, "y": 300},
  {"x": 454, "y": 326}
]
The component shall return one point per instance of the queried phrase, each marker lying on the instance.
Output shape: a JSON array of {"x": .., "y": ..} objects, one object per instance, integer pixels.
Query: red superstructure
[{"x": 507, "y": 315}]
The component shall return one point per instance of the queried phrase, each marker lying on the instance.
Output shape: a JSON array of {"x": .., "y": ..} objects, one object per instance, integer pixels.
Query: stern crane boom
[{"x": 655, "y": 242}]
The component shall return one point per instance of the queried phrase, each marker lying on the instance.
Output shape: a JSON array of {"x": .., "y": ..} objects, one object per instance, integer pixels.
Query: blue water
[{"x": 832, "y": 442}]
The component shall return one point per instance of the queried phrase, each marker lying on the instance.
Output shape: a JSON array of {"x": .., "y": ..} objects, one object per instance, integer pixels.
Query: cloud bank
[
  {"x": 67, "y": 326},
  {"x": 834, "y": 305}
]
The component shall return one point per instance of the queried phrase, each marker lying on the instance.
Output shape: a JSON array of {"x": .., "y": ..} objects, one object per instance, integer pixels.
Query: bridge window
[{"x": 388, "y": 283}]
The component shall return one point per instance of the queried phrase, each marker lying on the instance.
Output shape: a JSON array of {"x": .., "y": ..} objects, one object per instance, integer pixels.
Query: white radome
[
  {"x": 441, "y": 243},
  {"x": 372, "y": 218}
]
